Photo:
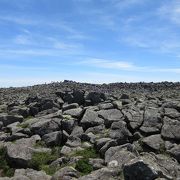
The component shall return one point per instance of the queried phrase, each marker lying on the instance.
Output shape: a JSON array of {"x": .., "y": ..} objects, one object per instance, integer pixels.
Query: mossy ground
[
  {"x": 87, "y": 153},
  {"x": 42, "y": 160},
  {"x": 83, "y": 165},
  {"x": 6, "y": 170}
]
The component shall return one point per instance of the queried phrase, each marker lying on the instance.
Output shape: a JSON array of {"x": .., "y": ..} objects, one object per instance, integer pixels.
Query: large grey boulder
[
  {"x": 96, "y": 129},
  {"x": 101, "y": 142},
  {"x": 120, "y": 132},
  {"x": 76, "y": 112},
  {"x": 94, "y": 98},
  {"x": 175, "y": 152},
  {"x": 110, "y": 116},
  {"x": 119, "y": 154},
  {"x": 68, "y": 124},
  {"x": 78, "y": 96},
  {"x": 23, "y": 111},
  {"x": 20, "y": 153},
  {"x": 9, "y": 119},
  {"x": 97, "y": 163},
  {"x": 30, "y": 174},
  {"x": 45, "y": 125},
  {"x": 150, "y": 166},
  {"x": 172, "y": 113},
  {"x": 171, "y": 129},
  {"x": 53, "y": 139},
  {"x": 103, "y": 106},
  {"x": 70, "y": 106},
  {"x": 77, "y": 131},
  {"x": 152, "y": 121},
  {"x": 66, "y": 173},
  {"x": 137, "y": 169},
  {"x": 102, "y": 174},
  {"x": 134, "y": 117},
  {"x": 105, "y": 147},
  {"x": 91, "y": 119},
  {"x": 73, "y": 141},
  {"x": 154, "y": 142}
]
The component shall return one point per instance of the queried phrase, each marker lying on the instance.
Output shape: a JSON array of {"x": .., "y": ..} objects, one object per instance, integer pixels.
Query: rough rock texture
[{"x": 71, "y": 130}]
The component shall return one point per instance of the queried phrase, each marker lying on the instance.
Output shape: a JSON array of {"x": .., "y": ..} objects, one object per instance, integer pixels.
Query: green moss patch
[
  {"x": 87, "y": 153},
  {"x": 5, "y": 169},
  {"x": 83, "y": 166},
  {"x": 41, "y": 160}
]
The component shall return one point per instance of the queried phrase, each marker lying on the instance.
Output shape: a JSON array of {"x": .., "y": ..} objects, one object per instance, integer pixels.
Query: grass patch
[
  {"x": 84, "y": 167},
  {"x": 28, "y": 117},
  {"x": 87, "y": 153},
  {"x": 49, "y": 170},
  {"x": 6, "y": 170},
  {"x": 23, "y": 125},
  {"x": 41, "y": 160}
]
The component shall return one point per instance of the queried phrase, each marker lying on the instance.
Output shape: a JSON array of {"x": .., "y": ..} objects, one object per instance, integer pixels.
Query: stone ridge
[{"x": 86, "y": 131}]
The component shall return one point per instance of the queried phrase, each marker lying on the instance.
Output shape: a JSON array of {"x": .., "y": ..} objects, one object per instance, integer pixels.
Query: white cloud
[
  {"x": 109, "y": 64},
  {"x": 29, "y": 52},
  {"x": 126, "y": 66},
  {"x": 170, "y": 10},
  {"x": 22, "y": 39},
  {"x": 123, "y": 4}
]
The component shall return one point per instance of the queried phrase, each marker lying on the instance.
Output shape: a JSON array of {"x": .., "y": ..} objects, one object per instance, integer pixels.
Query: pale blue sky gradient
[{"x": 96, "y": 41}]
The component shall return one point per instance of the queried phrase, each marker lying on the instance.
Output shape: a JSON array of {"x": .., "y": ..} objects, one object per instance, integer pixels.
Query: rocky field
[{"x": 80, "y": 131}]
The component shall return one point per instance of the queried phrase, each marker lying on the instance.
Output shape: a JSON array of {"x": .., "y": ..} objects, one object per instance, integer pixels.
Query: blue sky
[{"x": 96, "y": 41}]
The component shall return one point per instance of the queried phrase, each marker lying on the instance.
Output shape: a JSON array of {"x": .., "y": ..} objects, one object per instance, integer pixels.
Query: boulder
[
  {"x": 105, "y": 106},
  {"x": 154, "y": 142},
  {"x": 96, "y": 163},
  {"x": 30, "y": 174},
  {"x": 45, "y": 125},
  {"x": 53, "y": 139},
  {"x": 151, "y": 166},
  {"x": 77, "y": 131},
  {"x": 76, "y": 112},
  {"x": 102, "y": 174},
  {"x": 9, "y": 119},
  {"x": 78, "y": 97},
  {"x": 70, "y": 106},
  {"x": 134, "y": 117},
  {"x": 172, "y": 113},
  {"x": 110, "y": 116},
  {"x": 66, "y": 173},
  {"x": 120, "y": 132},
  {"x": 91, "y": 119},
  {"x": 171, "y": 129},
  {"x": 19, "y": 153},
  {"x": 175, "y": 152},
  {"x": 96, "y": 129},
  {"x": 101, "y": 142},
  {"x": 95, "y": 97},
  {"x": 121, "y": 154},
  {"x": 73, "y": 141},
  {"x": 152, "y": 121},
  {"x": 68, "y": 124},
  {"x": 108, "y": 144}
]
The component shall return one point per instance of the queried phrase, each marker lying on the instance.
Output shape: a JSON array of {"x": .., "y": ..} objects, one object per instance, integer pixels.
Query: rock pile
[{"x": 78, "y": 131}]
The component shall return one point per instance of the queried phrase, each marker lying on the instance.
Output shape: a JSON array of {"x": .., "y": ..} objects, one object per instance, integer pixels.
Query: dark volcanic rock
[
  {"x": 171, "y": 129},
  {"x": 90, "y": 131},
  {"x": 9, "y": 119},
  {"x": 91, "y": 119},
  {"x": 152, "y": 121},
  {"x": 110, "y": 116}
]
